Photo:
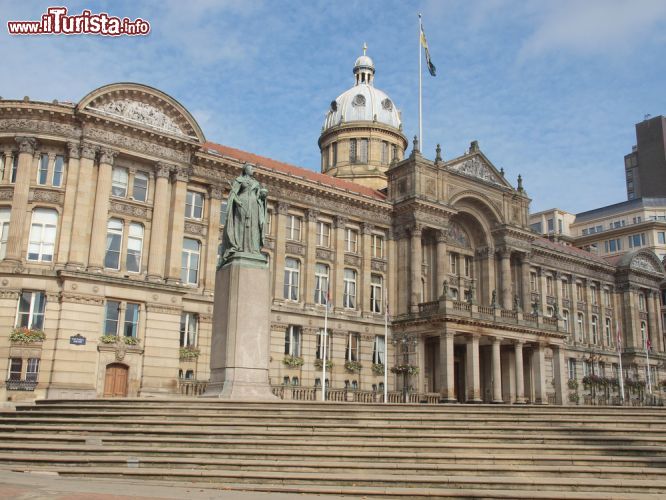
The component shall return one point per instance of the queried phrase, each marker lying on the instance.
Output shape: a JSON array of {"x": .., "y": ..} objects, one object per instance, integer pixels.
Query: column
[
  {"x": 539, "y": 367},
  {"x": 337, "y": 287},
  {"x": 505, "y": 270},
  {"x": 101, "y": 212},
  {"x": 366, "y": 268},
  {"x": 158, "y": 228},
  {"x": 542, "y": 290},
  {"x": 181, "y": 176},
  {"x": 27, "y": 146},
  {"x": 392, "y": 278},
  {"x": 279, "y": 254},
  {"x": 497, "y": 370},
  {"x": 559, "y": 375},
  {"x": 212, "y": 237},
  {"x": 72, "y": 177},
  {"x": 310, "y": 256},
  {"x": 520, "y": 383},
  {"x": 416, "y": 264},
  {"x": 446, "y": 346},
  {"x": 573, "y": 314},
  {"x": 490, "y": 273},
  {"x": 9, "y": 161},
  {"x": 658, "y": 336},
  {"x": 80, "y": 240},
  {"x": 442, "y": 264},
  {"x": 473, "y": 386},
  {"x": 526, "y": 294}
]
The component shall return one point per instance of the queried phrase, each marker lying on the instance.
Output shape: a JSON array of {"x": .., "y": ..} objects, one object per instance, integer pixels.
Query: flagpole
[
  {"x": 324, "y": 342},
  {"x": 386, "y": 349},
  {"x": 619, "y": 355},
  {"x": 420, "y": 85}
]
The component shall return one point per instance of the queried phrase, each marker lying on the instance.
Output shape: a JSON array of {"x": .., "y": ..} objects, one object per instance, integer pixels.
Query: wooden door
[{"x": 115, "y": 382}]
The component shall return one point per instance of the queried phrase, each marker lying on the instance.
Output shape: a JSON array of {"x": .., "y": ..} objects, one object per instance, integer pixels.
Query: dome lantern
[{"x": 364, "y": 68}]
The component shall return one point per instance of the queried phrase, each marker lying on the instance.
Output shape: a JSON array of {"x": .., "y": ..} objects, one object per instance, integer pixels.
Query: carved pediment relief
[
  {"x": 642, "y": 263},
  {"x": 477, "y": 168},
  {"x": 141, "y": 113}
]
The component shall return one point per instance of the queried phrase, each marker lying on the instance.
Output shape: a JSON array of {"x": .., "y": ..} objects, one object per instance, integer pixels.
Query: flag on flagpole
[
  {"x": 424, "y": 43},
  {"x": 648, "y": 345}
]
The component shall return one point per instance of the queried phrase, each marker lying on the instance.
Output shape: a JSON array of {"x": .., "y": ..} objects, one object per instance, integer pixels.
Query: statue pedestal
[{"x": 239, "y": 355}]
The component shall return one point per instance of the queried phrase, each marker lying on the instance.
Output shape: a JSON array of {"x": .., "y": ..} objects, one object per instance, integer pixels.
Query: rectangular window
[
  {"x": 293, "y": 228},
  {"x": 269, "y": 222},
  {"x": 363, "y": 151},
  {"x": 580, "y": 322},
  {"x": 580, "y": 292},
  {"x": 32, "y": 370},
  {"x": 134, "y": 247},
  {"x": 334, "y": 147},
  {"x": 119, "y": 182},
  {"x": 111, "y": 317},
  {"x": 609, "y": 332},
  {"x": 352, "y": 151},
  {"x": 378, "y": 350},
  {"x": 58, "y": 170},
  {"x": 351, "y": 240},
  {"x": 31, "y": 310},
  {"x": 572, "y": 368},
  {"x": 4, "y": 229},
  {"x": 551, "y": 225},
  {"x": 595, "y": 328},
  {"x": 323, "y": 234},
  {"x": 140, "y": 187},
  {"x": 614, "y": 245},
  {"x": 131, "y": 326},
  {"x": 453, "y": 263},
  {"x": 637, "y": 240},
  {"x": 292, "y": 340},
  {"x": 43, "y": 171},
  {"x": 292, "y": 269},
  {"x": 329, "y": 339},
  {"x": 534, "y": 286},
  {"x": 468, "y": 267},
  {"x": 565, "y": 289},
  {"x": 565, "y": 320},
  {"x": 114, "y": 239},
  {"x": 194, "y": 205},
  {"x": 223, "y": 213},
  {"x": 14, "y": 168},
  {"x": 349, "y": 295},
  {"x": 385, "y": 153},
  {"x": 641, "y": 302},
  {"x": 15, "y": 368},
  {"x": 41, "y": 244},
  {"x": 376, "y": 291},
  {"x": 549, "y": 286},
  {"x": 607, "y": 298},
  {"x": 593, "y": 294},
  {"x": 394, "y": 152},
  {"x": 189, "y": 327},
  {"x": 661, "y": 237},
  {"x": 189, "y": 272},
  {"x": 353, "y": 347},
  {"x": 2, "y": 166},
  {"x": 321, "y": 283},
  {"x": 559, "y": 226},
  {"x": 377, "y": 244}
]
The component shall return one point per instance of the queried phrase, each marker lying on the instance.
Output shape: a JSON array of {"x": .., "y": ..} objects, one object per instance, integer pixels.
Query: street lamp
[{"x": 403, "y": 342}]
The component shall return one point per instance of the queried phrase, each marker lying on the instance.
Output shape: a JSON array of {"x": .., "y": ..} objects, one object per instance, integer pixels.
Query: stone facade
[{"x": 112, "y": 210}]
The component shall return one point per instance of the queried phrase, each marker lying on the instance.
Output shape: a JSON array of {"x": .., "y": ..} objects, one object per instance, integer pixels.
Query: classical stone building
[{"x": 111, "y": 212}]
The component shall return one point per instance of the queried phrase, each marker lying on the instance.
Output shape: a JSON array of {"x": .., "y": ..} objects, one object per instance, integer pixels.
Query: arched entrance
[{"x": 115, "y": 381}]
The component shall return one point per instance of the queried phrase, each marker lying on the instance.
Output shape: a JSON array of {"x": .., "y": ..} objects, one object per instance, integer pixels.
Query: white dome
[
  {"x": 363, "y": 102},
  {"x": 365, "y": 62}
]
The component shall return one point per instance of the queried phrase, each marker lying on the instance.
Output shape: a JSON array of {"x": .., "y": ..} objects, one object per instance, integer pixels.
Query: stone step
[
  {"x": 326, "y": 466},
  {"x": 365, "y": 479},
  {"x": 466, "y": 457}
]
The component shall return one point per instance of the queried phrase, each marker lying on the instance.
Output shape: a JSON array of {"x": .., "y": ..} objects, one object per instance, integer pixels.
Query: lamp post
[{"x": 403, "y": 341}]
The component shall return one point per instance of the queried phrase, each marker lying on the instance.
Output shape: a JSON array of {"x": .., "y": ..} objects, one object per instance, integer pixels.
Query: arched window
[{"x": 42, "y": 235}]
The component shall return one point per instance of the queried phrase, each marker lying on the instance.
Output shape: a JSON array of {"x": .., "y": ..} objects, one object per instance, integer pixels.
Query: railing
[
  {"x": 550, "y": 321},
  {"x": 304, "y": 393},
  {"x": 506, "y": 313},
  {"x": 488, "y": 310},
  {"x": 461, "y": 306},
  {"x": 21, "y": 385},
  {"x": 191, "y": 387},
  {"x": 429, "y": 307},
  {"x": 298, "y": 393}
]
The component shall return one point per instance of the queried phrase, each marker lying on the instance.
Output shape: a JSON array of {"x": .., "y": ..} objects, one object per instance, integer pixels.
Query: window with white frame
[
  {"x": 58, "y": 171},
  {"x": 41, "y": 244},
  {"x": 323, "y": 234},
  {"x": 12, "y": 178},
  {"x": 292, "y": 341},
  {"x": 119, "y": 182},
  {"x": 4, "y": 229},
  {"x": 468, "y": 266},
  {"x": 378, "y": 350},
  {"x": 134, "y": 247},
  {"x": 140, "y": 187},
  {"x": 593, "y": 294},
  {"x": 194, "y": 205},
  {"x": 565, "y": 289},
  {"x": 131, "y": 323},
  {"x": 595, "y": 330},
  {"x": 580, "y": 322},
  {"x": 587, "y": 368},
  {"x": 565, "y": 319},
  {"x": 293, "y": 227},
  {"x": 15, "y": 368},
  {"x": 641, "y": 302},
  {"x": 189, "y": 272},
  {"x": 643, "y": 335},
  {"x": 376, "y": 291},
  {"x": 111, "y": 317},
  {"x": 114, "y": 319},
  {"x": 30, "y": 312},
  {"x": 377, "y": 246},
  {"x": 2, "y": 166},
  {"x": 43, "y": 170},
  {"x": 329, "y": 340},
  {"x": 363, "y": 151},
  {"x": 572, "y": 368},
  {"x": 321, "y": 283},
  {"x": 607, "y": 297},
  {"x": 636, "y": 240},
  {"x": 609, "y": 332},
  {"x": 351, "y": 240},
  {"x": 189, "y": 329},
  {"x": 353, "y": 350},
  {"x": 453, "y": 263},
  {"x": 580, "y": 292},
  {"x": 32, "y": 370},
  {"x": 268, "y": 225},
  {"x": 533, "y": 282},
  {"x": 224, "y": 210},
  {"x": 549, "y": 286},
  {"x": 349, "y": 292},
  {"x": 114, "y": 241},
  {"x": 292, "y": 271}
]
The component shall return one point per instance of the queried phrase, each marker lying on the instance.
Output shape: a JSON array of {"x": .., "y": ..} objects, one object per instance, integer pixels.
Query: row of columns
[{"x": 473, "y": 372}]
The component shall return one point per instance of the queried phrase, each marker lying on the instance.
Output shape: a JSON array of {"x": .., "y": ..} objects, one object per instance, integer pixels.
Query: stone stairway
[{"x": 401, "y": 451}]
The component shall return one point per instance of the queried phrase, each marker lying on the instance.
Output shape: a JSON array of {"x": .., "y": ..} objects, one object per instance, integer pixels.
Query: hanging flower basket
[
  {"x": 378, "y": 368},
  {"x": 292, "y": 361},
  {"x": 189, "y": 353},
  {"x": 26, "y": 335},
  {"x": 408, "y": 369},
  {"x": 353, "y": 366},
  {"x": 318, "y": 364},
  {"x": 572, "y": 383}
]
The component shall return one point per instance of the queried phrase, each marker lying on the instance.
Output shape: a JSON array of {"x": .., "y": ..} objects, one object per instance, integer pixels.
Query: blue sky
[{"x": 550, "y": 89}]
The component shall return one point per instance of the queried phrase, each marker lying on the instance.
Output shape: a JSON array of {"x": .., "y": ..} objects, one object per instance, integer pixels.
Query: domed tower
[{"x": 362, "y": 133}]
